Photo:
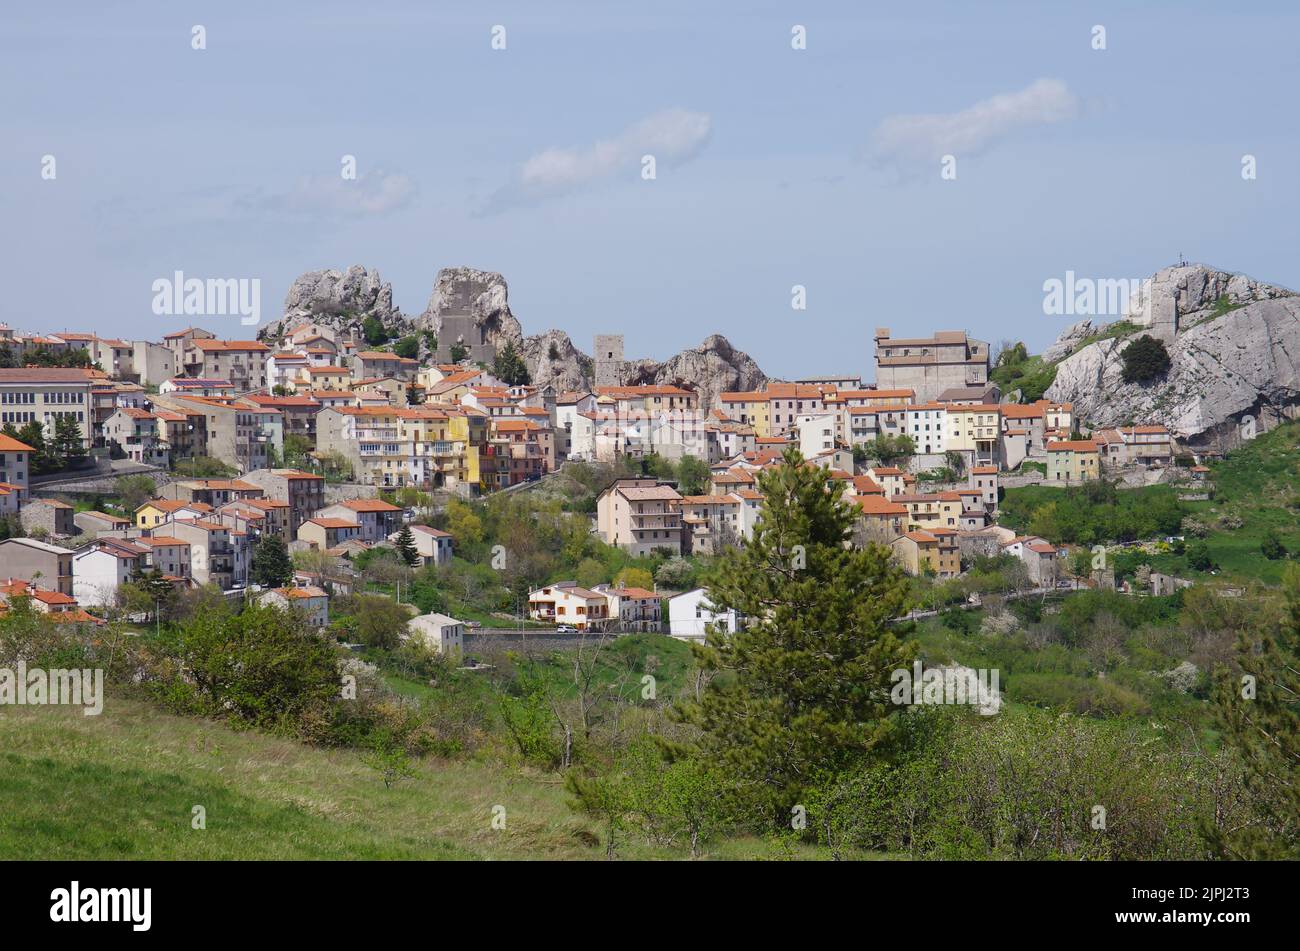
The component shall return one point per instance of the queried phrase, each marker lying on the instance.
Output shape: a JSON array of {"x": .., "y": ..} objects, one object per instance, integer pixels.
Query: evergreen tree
[
  {"x": 510, "y": 368},
  {"x": 406, "y": 547},
  {"x": 1145, "y": 359},
  {"x": 68, "y": 446},
  {"x": 806, "y": 680},
  {"x": 271, "y": 567},
  {"x": 1259, "y": 711}
]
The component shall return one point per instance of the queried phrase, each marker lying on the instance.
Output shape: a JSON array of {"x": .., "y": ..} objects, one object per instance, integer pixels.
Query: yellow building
[
  {"x": 1073, "y": 461},
  {"x": 751, "y": 407},
  {"x": 932, "y": 551},
  {"x": 975, "y": 428}
]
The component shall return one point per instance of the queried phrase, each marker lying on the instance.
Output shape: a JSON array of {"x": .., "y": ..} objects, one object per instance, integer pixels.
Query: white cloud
[
  {"x": 373, "y": 193},
  {"x": 912, "y": 142},
  {"x": 673, "y": 136}
]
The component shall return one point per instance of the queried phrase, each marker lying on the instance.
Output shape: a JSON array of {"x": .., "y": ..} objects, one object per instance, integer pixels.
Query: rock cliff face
[
  {"x": 553, "y": 359},
  {"x": 714, "y": 367},
  {"x": 481, "y": 295},
  {"x": 1235, "y": 355},
  {"x": 340, "y": 300},
  {"x": 465, "y": 301}
]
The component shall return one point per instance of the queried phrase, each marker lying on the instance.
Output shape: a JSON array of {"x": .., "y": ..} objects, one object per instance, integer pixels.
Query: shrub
[{"x": 1145, "y": 359}]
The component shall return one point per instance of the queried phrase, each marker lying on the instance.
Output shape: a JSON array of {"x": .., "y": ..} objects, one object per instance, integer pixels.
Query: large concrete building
[{"x": 930, "y": 365}]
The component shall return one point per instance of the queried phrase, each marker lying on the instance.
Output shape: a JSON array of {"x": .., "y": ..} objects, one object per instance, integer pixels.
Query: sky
[{"x": 775, "y": 167}]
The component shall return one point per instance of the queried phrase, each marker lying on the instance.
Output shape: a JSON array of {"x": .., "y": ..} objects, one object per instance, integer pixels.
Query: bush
[{"x": 1145, "y": 359}]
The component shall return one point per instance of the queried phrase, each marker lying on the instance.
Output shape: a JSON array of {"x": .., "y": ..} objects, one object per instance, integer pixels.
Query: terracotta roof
[
  {"x": 370, "y": 505},
  {"x": 9, "y": 444}
]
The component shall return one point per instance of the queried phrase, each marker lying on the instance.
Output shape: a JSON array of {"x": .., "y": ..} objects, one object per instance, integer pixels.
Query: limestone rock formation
[
  {"x": 460, "y": 292},
  {"x": 1234, "y": 348},
  {"x": 1070, "y": 338},
  {"x": 339, "y": 300},
  {"x": 553, "y": 359},
  {"x": 714, "y": 367}
]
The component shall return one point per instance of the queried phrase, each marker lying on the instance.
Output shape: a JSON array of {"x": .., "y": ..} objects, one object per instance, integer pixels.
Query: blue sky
[{"x": 776, "y": 167}]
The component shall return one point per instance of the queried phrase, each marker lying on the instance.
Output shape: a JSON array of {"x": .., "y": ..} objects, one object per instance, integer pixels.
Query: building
[
  {"x": 44, "y": 394},
  {"x": 101, "y": 567},
  {"x": 635, "y": 609},
  {"x": 640, "y": 516},
  {"x": 235, "y": 432},
  {"x": 218, "y": 553},
  {"x": 1039, "y": 557},
  {"x": 157, "y": 512},
  {"x": 327, "y": 533},
  {"x": 975, "y": 430},
  {"x": 932, "y": 551},
  {"x": 92, "y": 523},
  {"x": 432, "y": 544},
  {"x": 691, "y": 616},
  {"x": 304, "y": 492},
  {"x": 566, "y": 603},
  {"x": 1073, "y": 461},
  {"x": 930, "y": 365},
  {"x": 37, "y": 561},
  {"x": 881, "y": 520},
  {"x": 441, "y": 633},
  {"x": 168, "y": 555},
  {"x": 15, "y": 463},
  {"x": 376, "y": 518},
  {"x": 310, "y": 601},
  {"x": 372, "y": 364},
  {"x": 135, "y": 433},
  {"x": 49, "y": 516},
  {"x": 242, "y": 362}
]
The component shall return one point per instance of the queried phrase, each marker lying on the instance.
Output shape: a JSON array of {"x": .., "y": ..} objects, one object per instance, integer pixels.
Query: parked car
[{"x": 565, "y": 629}]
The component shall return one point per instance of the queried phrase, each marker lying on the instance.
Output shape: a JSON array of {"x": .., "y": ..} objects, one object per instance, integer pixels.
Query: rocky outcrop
[
  {"x": 553, "y": 360},
  {"x": 460, "y": 292},
  {"x": 714, "y": 367},
  {"x": 341, "y": 300},
  {"x": 1225, "y": 364},
  {"x": 1070, "y": 338}
]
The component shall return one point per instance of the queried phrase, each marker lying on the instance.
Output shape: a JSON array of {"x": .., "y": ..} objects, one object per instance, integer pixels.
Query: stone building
[{"x": 930, "y": 365}]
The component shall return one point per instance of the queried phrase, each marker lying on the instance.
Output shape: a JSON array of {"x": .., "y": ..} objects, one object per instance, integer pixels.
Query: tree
[
  {"x": 373, "y": 329},
  {"x": 379, "y": 621},
  {"x": 134, "y": 490},
  {"x": 297, "y": 449},
  {"x": 1260, "y": 716},
  {"x": 1198, "y": 556},
  {"x": 675, "y": 574},
  {"x": 408, "y": 347},
  {"x": 807, "y": 678},
  {"x": 69, "y": 446},
  {"x": 1271, "y": 546},
  {"x": 389, "y": 759},
  {"x": 891, "y": 450},
  {"x": 1145, "y": 359},
  {"x": 1012, "y": 354},
  {"x": 510, "y": 368},
  {"x": 635, "y": 578},
  {"x": 693, "y": 475},
  {"x": 414, "y": 394},
  {"x": 406, "y": 547},
  {"x": 271, "y": 566},
  {"x": 458, "y": 352}
]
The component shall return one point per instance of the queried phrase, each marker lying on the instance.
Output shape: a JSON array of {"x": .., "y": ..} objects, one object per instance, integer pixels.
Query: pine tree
[
  {"x": 68, "y": 446},
  {"x": 510, "y": 368},
  {"x": 1259, "y": 711},
  {"x": 805, "y": 685},
  {"x": 406, "y": 547},
  {"x": 271, "y": 567}
]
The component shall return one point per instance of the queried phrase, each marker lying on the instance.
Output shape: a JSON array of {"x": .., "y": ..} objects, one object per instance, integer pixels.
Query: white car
[{"x": 565, "y": 629}]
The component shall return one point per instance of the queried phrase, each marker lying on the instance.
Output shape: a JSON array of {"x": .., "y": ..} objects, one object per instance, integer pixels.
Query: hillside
[{"x": 124, "y": 784}]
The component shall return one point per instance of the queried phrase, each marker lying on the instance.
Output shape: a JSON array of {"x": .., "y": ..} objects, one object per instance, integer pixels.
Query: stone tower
[{"x": 609, "y": 360}]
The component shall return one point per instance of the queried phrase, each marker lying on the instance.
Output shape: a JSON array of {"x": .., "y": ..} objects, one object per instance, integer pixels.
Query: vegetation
[
  {"x": 509, "y": 367},
  {"x": 1015, "y": 370},
  {"x": 1145, "y": 360},
  {"x": 372, "y": 328},
  {"x": 1093, "y": 513},
  {"x": 203, "y": 467},
  {"x": 408, "y": 347},
  {"x": 271, "y": 566}
]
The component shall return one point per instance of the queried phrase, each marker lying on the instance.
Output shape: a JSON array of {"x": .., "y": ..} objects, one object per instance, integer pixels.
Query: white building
[
  {"x": 444, "y": 634},
  {"x": 103, "y": 566},
  {"x": 313, "y": 602},
  {"x": 432, "y": 544},
  {"x": 690, "y": 614}
]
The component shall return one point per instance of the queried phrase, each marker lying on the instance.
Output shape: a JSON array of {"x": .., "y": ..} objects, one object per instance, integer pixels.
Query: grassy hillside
[
  {"x": 123, "y": 785},
  {"x": 1256, "y": 490}
]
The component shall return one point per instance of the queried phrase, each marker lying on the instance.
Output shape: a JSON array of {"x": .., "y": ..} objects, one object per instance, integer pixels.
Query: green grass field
[{"x": 123, "y": 785}]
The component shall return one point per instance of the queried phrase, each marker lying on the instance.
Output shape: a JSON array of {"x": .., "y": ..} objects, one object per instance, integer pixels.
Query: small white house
[
  {"x": 690, "y": 614},
  {"x": 444, "y": 634},
  {"x": 313, "y": 602},
  {"x": 101, "y": 567},
  {"x": 432, "y": 544}
]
